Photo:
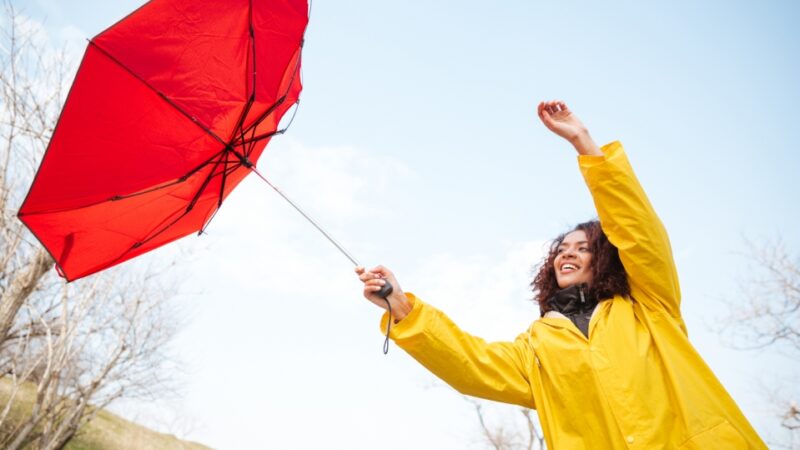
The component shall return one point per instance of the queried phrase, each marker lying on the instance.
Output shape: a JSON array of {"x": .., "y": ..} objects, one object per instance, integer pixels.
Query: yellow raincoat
[{"x": 636, "y": 382}]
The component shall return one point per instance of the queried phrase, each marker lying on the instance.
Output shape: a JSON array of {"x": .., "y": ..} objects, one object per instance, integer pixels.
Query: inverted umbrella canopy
[{"x": 169, "y": 109}]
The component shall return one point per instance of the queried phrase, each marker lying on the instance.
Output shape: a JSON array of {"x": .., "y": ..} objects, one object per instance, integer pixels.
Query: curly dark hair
[{"x": 608, "y": 274}]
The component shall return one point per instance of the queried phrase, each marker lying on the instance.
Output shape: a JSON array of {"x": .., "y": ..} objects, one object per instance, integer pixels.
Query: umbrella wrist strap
[{"x": 388, "y": 327}]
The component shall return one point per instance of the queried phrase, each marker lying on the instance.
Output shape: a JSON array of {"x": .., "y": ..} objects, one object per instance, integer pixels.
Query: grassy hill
[{"x": 106, "y": 431}]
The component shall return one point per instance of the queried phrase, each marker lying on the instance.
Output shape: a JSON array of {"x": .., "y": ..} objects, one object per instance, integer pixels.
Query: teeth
[{"x": 568, "y": 266}]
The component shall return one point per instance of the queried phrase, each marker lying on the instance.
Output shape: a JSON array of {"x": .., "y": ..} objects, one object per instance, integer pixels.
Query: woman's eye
[{"x": 584, "y": 249}]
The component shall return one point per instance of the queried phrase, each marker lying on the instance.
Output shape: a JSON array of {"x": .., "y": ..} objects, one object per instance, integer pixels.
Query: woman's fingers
[
  {"x": 374, "y": 277},
  {"x": 375, "y": 282},
  {"x": 552, "y": 111},
  {"x": 365, "y": 275},
  {"x": 544, "y": 115},
  {"x": 370, "y": 289},
  {"x": 381, "y": 270},
  {"x": 372, "y": 281},
  {"x": 549, "y": 110},
  {"x": 554, "y": 106}
]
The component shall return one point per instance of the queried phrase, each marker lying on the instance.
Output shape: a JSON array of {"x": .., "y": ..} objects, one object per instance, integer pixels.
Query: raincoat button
[
  {"x": 630, "y": 439},
  {"x": 592, "y": 349}
]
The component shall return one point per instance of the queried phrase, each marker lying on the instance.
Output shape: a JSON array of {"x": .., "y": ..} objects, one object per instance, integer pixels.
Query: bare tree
[
  {"x": 105, "y": 339},
  {"x": 508, "y": 434},
  {"x": 766, "y": 316},
  {"x": 75, "y": 347},
  {"x": 27, "y": 118}
]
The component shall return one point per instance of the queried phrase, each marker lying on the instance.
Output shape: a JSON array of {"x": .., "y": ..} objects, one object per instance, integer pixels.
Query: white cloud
[
  {"x": 485, "y": 296},
  {"x": 341, "y": 182}
]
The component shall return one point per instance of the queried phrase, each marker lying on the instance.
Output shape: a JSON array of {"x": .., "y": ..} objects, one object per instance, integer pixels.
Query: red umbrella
[{"x": 169, "y": 109}]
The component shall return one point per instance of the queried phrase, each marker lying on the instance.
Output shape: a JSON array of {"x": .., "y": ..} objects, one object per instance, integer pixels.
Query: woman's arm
[
  {"x": 626, "y": 215},
  {"x": 496, "y": 371}
]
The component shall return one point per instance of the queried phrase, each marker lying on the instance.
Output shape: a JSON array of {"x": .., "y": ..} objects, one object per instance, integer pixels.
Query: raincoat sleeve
[
  {"x": 631, "y": 224},
  {"x": 494, "y": 371}
]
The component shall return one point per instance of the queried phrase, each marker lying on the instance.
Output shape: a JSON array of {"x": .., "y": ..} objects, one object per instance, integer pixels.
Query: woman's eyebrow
[{"x": 572, "y": 243}]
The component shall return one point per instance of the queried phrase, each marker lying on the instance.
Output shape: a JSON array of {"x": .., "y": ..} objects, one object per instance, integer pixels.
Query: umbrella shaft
[{"x": 312, "y": 221}]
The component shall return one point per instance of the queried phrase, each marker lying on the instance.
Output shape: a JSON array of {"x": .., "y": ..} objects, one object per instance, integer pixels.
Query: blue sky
[{"x": 417, "y": 144}]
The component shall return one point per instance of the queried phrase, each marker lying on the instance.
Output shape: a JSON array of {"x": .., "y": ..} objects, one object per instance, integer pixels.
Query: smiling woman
[{"x": 609, "y": 364}]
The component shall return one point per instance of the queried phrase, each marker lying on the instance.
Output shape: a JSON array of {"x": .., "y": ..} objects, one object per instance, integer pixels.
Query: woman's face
[{"x": 573, "y": 260}]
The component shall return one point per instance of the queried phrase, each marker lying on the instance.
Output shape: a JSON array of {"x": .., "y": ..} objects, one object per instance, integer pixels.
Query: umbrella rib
[
  {"x": 153, "y": 236},
  {"x": 279, "y": 101},
  {"x": 222, "y": 185},
  {"x": 252, "y": 56},
  {"x": 135, "y": 194},
  {"x": 205, "y": 183},
  {"x": 252, "y": 46},
  {"x": 146, "y": 240},
  {"x": 261, "y": 137},
  {"x": 163, "y": 96},
  {"x": 263, "y": 115},
  {"x": 178, "y": 181},
  {"x": 272, "y": 108},
  {"x": 243, "y": 116},
  {"x": 224, "y": 173},
  {"x": 254, "y": 72},
  {"x": 245, "y": 149},
  {"x": 187, "y": 210}
]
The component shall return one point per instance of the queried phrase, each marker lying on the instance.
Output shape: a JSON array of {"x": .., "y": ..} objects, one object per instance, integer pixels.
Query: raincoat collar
[{"x": 576, "y": 303}]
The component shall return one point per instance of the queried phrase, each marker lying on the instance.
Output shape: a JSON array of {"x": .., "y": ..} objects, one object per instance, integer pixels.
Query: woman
[{"x": 609, "y": 364}]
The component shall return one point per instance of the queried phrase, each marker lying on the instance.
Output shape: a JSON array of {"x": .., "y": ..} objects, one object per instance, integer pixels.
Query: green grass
[{"x": 106, "y": 431}]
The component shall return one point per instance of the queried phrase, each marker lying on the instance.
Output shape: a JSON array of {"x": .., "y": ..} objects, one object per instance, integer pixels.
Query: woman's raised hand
[
  {"x": 558, "y": 118},
  {"x": 373, "y": 280}
]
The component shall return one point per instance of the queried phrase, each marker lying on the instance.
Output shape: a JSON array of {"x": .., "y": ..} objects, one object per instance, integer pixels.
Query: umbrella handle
[{"x": 386, "y": 289}]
